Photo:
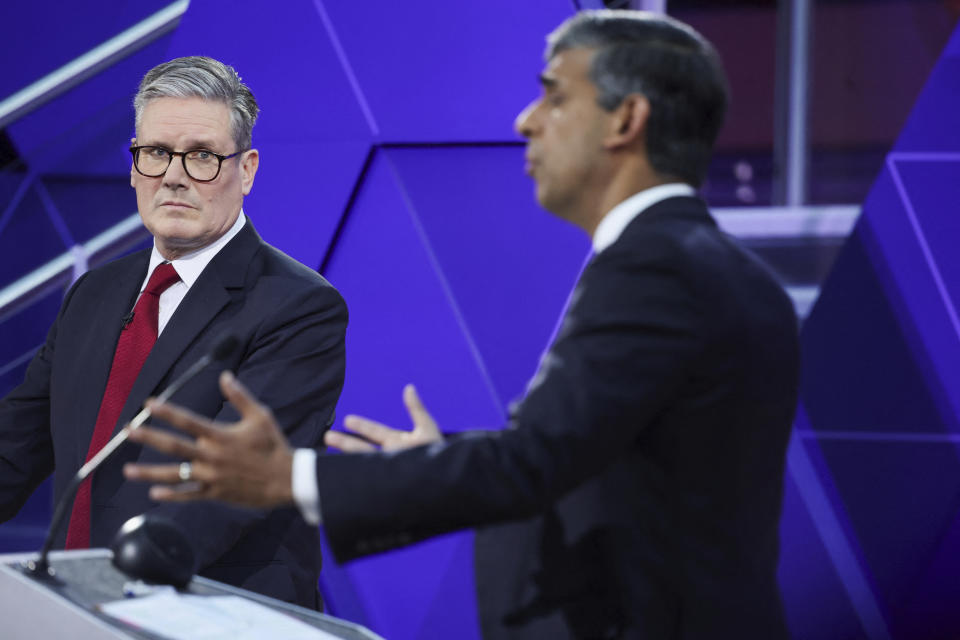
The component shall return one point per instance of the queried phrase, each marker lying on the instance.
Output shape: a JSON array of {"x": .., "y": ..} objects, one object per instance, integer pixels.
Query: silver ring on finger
[{"x": 185, "y": 472}]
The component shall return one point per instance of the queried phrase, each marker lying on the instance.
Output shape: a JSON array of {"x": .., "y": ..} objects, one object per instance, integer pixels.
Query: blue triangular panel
[
  {"x": 509, "y": 264},
  {"x": 312, "y": 134},
  {"x": 403, "y": 327},
  {"x": 816, "y": 605},
  {"x": 40, "y": 37},
  {"x": 300, "y": 194},
  {"x": 445, "y": 71},
  {"x": 881, "y": 365},
  {"x": 287, "y": 60},
  {"x": 88, "y": 129},
  {"x": 456, "y": 586},
  {"x": 27, "y": 220}
]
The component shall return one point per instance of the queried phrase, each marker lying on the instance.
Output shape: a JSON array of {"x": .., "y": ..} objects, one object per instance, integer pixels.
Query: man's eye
[
  {"x": 202, "y": 155},
  {"x": 554, "y": 98},
  {"x": 158, "y": 152}
]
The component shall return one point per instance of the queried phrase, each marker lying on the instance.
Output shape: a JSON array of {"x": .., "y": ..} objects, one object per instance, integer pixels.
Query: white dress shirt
[
  {"x": 617, "y": 219},
  {"x": 304, "y": 481},
  {"x": 189, "y": 268}
]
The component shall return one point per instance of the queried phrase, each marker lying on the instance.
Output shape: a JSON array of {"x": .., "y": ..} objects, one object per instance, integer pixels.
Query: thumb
[{"x": 418, "y": 413}]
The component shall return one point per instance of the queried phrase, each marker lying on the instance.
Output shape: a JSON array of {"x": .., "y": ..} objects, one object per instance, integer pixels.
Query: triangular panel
[
  {"x": 510, "y": 265},
  {"x": 403, "y": 328},
  {"x": 300, "y": 194},
  {"x": 882, "y": 361},
  {"x": 312, "y": 134},
  {"x": 445, "y": 71},
  {"x": 287, "y": 60}
]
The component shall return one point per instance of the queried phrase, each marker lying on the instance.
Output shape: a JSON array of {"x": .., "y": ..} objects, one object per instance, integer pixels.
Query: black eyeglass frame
[{"x": 135, "y": 151}]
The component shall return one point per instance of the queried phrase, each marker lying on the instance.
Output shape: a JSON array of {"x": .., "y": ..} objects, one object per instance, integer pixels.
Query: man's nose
[
  {"x": 524, "y": 123},
  {"x": 175, "y": 176}
]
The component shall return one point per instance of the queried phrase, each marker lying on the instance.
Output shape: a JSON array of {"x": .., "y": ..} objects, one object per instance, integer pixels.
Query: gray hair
[
  {"x": 669, "y": 63},
  {"x": 206, "y": 78}
]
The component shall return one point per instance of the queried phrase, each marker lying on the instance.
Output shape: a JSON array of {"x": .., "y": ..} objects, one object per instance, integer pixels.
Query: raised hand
[
  {"x": 380, "y": 436},
  {"x": 248, "y": 462}
]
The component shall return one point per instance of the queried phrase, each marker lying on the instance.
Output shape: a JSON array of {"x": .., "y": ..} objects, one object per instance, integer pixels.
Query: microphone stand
[{"x": 40, "y": 568}]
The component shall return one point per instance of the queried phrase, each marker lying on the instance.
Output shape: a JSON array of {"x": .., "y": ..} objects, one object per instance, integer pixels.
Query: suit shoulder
[
  {"x": 698, "y": 252},
  {"x": 108, "y": 274},
  {"x": 121, "y": 264},
  {"x": 277, "y": 264},
  {"x": 670, "y": 239},
  {"x": 691, "y": 238}
]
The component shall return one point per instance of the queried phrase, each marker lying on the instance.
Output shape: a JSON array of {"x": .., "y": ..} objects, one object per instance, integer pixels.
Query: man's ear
[
  {"x": 628, "y": 122},
  {"x": 133, "y": 142},
  {"x": 249, "y": 163}
]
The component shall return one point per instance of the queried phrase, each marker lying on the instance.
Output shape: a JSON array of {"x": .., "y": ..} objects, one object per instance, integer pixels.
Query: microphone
[
  {"x": 127, "y": 319},
  {"x": 40, "y": 568}
]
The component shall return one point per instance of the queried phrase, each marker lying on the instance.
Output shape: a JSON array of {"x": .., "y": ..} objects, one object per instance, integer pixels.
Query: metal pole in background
[
  {"x": 791, "y": 146},
  {"x": 92, "y": 62}
]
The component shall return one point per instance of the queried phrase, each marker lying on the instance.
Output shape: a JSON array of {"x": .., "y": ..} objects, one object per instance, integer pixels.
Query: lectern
[{"x": 68, "y": 607}]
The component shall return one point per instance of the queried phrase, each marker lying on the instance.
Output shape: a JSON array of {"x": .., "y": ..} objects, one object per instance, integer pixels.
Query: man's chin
[
  {"x": 174, "y": 211},
  {"x": 176, "y": 237},
  {"x": 545, "y": 200}
]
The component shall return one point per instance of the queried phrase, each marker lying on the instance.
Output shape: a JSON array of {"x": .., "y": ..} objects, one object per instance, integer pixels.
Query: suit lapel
[{"x": 205, "y": 300}]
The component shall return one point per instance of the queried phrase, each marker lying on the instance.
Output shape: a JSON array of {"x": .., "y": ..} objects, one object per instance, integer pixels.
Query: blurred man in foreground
[
  {"x": 640, "y": 478},
  {"x": 128, "y": 328}
]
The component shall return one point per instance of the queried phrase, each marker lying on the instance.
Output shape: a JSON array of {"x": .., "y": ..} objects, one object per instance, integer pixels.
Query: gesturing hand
[
  {"x": 248, "y": 462},
  {"x": 377, "y": 435}
]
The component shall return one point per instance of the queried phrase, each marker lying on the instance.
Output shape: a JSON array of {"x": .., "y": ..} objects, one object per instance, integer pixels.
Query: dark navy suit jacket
[
  {"x": 290, "y": 323},
  {"x": 640, "y": 478}
]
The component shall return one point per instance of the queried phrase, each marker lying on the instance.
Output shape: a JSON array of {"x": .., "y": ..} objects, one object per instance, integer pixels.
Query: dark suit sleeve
[
  {"x": 26, "y": 448},
  {"x": 295, "y": 365},
  {"x": 633, "y": 333}
]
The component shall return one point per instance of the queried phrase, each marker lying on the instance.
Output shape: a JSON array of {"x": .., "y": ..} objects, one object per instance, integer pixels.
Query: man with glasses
[{"x": 128, "y": 328}]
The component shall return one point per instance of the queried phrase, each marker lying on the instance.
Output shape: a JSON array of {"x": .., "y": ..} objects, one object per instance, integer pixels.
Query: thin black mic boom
[{"x": 222, "y": 349}]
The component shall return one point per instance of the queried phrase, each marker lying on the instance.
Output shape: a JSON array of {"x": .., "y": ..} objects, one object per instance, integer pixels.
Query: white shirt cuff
[{"x": 304, "y": 482}]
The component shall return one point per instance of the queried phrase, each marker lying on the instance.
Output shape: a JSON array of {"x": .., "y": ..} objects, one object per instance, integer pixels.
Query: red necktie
[{"x": 133, "y": 347}]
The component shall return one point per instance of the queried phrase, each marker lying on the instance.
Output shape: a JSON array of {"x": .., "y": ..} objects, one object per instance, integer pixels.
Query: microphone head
[
  {"x": 155, "y": 549},
  {"x": 224, "y": 347}
]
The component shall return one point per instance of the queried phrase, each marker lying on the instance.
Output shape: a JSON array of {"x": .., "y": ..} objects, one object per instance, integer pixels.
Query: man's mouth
[{"x": 530, "y": 165}]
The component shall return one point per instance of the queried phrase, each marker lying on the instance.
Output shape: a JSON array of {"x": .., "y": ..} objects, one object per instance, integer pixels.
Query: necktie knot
[{"x": 161, "y": 279}]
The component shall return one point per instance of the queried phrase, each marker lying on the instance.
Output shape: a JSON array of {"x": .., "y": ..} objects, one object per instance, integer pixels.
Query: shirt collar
[
  {"x": 190, "y": 266},
  {"x": 617, "y": 219}
]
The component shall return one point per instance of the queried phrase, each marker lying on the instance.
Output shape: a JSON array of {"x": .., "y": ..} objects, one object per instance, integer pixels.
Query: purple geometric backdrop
[
  {"x": 881, "y": 391},
  {"x": 390, "y": 164}
]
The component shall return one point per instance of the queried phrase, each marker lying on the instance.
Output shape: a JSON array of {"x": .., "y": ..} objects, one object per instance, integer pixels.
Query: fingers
[
  {"x": 166, "y": 443},
  {"x": 425, "y": 430},
  {"x": 158, "y": 473},
  {"x": 187, "y": 492},
  {"x": 347, "y": 443},
  {"x": 379, "y": 434},
  {"x": 238, "y": 395},
  {"x": 418, "y": 413},
  {"x": 169, "y": 487},
  {"x": 183, "y": 419}
]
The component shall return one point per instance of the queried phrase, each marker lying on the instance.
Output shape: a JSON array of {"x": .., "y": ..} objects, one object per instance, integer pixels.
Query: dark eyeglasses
[{"x": 200, "y": 164}]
